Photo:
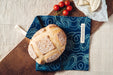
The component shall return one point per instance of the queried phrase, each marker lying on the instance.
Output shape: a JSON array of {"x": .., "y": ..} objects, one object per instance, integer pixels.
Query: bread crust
[{"x": 47, "y": 44}]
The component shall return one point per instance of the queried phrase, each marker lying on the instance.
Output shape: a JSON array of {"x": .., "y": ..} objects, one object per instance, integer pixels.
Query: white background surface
[{"x": 22, "y": 12}]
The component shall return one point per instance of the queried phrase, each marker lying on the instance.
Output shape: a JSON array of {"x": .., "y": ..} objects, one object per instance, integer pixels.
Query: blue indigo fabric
[{"x": 76, "y": 54}]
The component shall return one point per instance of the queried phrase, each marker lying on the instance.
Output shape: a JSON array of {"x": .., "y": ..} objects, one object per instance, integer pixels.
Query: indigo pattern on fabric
[{"x": 76, "y": 54}]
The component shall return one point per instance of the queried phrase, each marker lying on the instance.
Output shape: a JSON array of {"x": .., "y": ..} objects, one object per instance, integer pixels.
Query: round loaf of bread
[{"x": 47, "y": 44}]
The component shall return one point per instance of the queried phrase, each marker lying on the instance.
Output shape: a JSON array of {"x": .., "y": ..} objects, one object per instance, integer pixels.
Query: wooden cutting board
[
  {"x": 18, "y": 61},
  {"x": 95, "y": 25}
]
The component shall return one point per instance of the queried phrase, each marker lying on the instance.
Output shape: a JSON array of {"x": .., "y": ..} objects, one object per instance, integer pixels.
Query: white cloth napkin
[{"x": 99, "y": 15}]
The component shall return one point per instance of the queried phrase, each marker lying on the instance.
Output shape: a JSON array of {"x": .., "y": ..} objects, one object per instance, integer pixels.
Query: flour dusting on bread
[
  {"x": 45, "y": 45},
  {"x": 31, "y": 52},
  {"x": 61, "y": 38},
  {"x": 52, "y": 58},
  {"x": 48, "y": 44}
]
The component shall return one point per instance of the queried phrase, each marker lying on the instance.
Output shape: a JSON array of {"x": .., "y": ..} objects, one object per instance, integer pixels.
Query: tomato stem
[{"x": 59, "y": 12}]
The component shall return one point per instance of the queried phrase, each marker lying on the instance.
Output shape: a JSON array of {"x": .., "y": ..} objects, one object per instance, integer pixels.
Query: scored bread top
[{"x": 47, "y": 44}]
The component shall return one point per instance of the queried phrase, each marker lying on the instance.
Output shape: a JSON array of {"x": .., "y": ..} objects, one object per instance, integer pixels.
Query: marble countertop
[{"x": 22, "y": 12}]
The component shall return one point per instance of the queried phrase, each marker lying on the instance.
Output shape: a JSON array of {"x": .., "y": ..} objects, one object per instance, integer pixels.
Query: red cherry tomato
[
  {"x": 67, "y": 3},
  {"x": 61, "y": 4},
  {"x": 65, "y": 12},
  {"x": 69, "y": 8},
  {"x": 56, "y": 7}
]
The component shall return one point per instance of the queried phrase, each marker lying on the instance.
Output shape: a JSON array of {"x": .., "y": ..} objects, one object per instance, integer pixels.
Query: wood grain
[{"x": 18, "y": 62}]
